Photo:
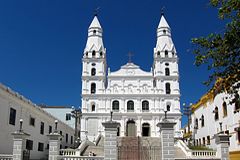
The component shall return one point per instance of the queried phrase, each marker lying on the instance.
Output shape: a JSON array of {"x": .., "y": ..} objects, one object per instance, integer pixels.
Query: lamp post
[
  {"x": 187, "y": 111},
  {"x": 165, "y": 115},
  {"x": 77, "y": 114},
  {"x": 21, "y": 123},
  {"x": 56, "y": 124},
  {"x": 220, "y": 124}
]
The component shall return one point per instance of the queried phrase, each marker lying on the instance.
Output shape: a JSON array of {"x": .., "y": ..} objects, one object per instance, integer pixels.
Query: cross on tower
[
  {"x": 130, "y": 54},
  {"x": 96, "y": 11},
  {"x": 162, "y": 10}
]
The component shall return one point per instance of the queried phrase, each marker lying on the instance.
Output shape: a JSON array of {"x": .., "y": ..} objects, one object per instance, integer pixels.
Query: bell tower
[
  {"x": 165, "y": 67},
  {"x": 93, "y": 66}
]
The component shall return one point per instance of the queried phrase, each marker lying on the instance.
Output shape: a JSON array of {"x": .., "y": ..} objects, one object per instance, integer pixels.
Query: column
[
  {"x": 110, "y": 141},
  {"x": 222, "y": 141},
  {"x": 167, "y": 139},
  {"x": 19, "y": 144}
]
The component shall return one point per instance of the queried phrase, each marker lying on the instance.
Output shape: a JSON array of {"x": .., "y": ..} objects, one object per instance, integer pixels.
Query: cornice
[{"x": 156, "y": 95}]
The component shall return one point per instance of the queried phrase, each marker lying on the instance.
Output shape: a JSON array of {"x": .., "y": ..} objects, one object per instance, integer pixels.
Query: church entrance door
[
  {"x": 131, "y": 128},
  {"x": 145, "y": 130}
]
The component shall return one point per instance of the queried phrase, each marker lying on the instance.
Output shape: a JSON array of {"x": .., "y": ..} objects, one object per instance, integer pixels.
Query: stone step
[{"x": 179, "y": 153}]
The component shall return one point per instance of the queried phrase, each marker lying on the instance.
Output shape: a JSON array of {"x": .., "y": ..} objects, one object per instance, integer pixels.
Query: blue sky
[{"x": 42, "y": 42}]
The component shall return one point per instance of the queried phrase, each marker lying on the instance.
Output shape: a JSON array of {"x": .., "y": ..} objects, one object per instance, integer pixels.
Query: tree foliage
[{"x": 220, "y": 51}]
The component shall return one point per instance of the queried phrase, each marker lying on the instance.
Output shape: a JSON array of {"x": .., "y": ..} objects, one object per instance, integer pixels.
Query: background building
[
  {"x": 137, "y": 98},
  {"x": 36, "y": 122}
]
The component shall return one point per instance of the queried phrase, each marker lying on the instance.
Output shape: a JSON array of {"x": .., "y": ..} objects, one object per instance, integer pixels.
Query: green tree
[{"x": 220, "y": 51}]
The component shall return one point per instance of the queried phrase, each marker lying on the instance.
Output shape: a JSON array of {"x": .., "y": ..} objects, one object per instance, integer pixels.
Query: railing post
[
  {"x": 222, "y": 141},
  {"x": 110, "y": 140},
  {"x": 19, "y": 142},
  {"x": 167, "y": 138},
  {"x": 54, "y": 144}
]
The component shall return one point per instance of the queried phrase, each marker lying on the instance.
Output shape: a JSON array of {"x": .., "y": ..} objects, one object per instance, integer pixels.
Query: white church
[{"x": 138, "y": 99}]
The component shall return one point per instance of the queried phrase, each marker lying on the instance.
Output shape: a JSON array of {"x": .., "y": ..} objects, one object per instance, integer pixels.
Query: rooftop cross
[
  {"x": 130, "y": 54},
  {"x": 162, "y": 10},
  {"x": 96, "y": 11}
]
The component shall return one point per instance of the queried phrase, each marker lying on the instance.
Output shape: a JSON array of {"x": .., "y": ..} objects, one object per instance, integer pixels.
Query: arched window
[
  {"x": 224, "y": 105},
  {"x": 86, "y": 54},
  {"x": 166, "y": 53},
  {"x": 94, "y": 31},
  {"x": 216, "y": 116},
  {"x": 167, "y": 72},
  {"x": 237, "y": 102},
  {"x": 145, "y": 106},
  {"x": 101, "y": 54},
  {"x": 202, "y": 121},
  {"x": 93, "y": 108},
  {"x": 168, "y": 107},
  {"x": 167, "y": 87},
  {"x": 115, "y": 105},
  {"x": 93, "y": 88},
  {"x": 196, "y": 123},
  {"x": 93, "y": 53},
  {"x": 93, "y": 71},
  {"x": 130, "y": 105},
  {"x": 158, "y": 53}
]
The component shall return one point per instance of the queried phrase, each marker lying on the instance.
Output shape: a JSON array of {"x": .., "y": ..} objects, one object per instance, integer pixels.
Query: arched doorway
[
  {"x": 145, "y": 130},
  {"x": 131, "y": 128}
]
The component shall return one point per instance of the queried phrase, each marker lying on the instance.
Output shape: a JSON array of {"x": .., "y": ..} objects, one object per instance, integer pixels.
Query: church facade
[{"x": 138, "y": 99}]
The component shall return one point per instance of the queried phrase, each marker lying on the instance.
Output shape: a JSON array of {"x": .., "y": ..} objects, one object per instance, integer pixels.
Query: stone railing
[
  {"x": 80, "y": 158},
  {"x": 98, "y": 139},
  {"x": 69, "y": 152},
  {"x": 6, "y": 157},
  {"x": 203, "y": 153},
  {"x": 208, "y": 154}
]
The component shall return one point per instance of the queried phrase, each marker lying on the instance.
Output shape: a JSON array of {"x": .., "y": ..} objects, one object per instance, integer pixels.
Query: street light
[
  {"x": 77, "y": 114},
  {"x": 187, "y": 111}
]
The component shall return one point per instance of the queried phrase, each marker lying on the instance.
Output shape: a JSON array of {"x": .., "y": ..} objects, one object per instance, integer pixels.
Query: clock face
[{"x": 130, "y": 71}]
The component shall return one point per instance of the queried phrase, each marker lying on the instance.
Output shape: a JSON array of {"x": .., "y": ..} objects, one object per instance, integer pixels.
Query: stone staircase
[
  {"x": 97, "y": 150},
  {"x": 179, "y": 153},
  {"x": 139, "y": 148}
]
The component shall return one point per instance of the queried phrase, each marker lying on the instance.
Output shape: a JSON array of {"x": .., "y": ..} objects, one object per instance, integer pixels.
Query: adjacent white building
[
  {"x": 36, "y": 122},
  {"x": 137, "y": 98},
  {"x": 217, "y": 113}
]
